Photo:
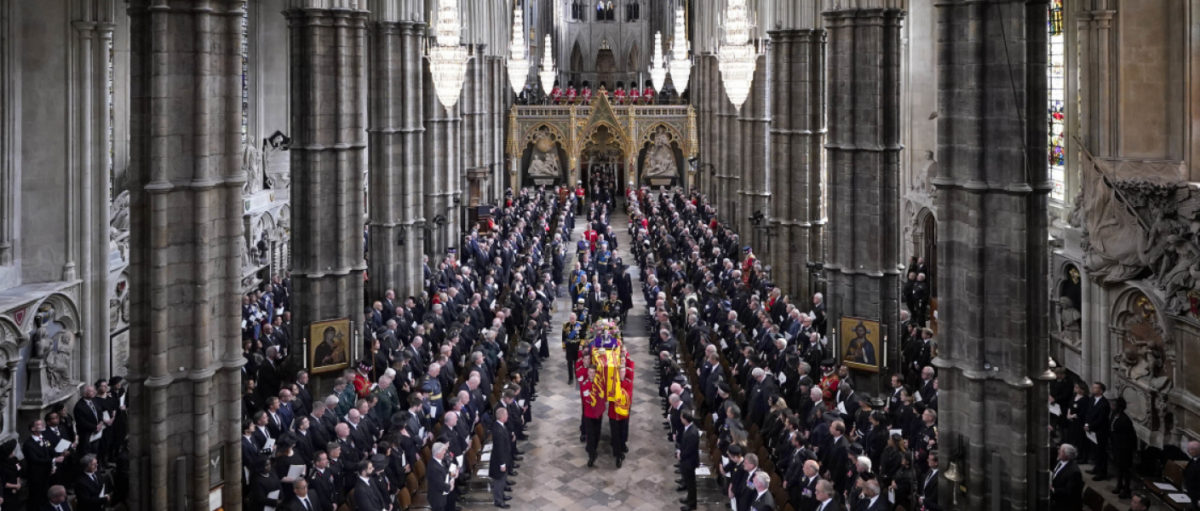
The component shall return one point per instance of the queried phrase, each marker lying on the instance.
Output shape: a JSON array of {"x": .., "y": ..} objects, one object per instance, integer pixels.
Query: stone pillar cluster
[
  {"x": 797, "y": 146},
  {"x": 186, "y": 211},
  {"x": 753, "y": 126},
  {"x": 992, "y": 189},
  {"x": 328, "y": 41},
  {"x": 443, "y": 167},
  {"x": 864, "y": 170},
  {"x": 396, "y": 127}
]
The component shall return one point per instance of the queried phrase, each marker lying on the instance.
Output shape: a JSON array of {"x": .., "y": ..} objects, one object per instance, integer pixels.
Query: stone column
[
  {"x": 328, "y": 38},
  {"x": 185, "y": 250},
  {"x": 89, "y": 174},
  {"x": 474, "y": 111},
  {"x": 442, "y": 167},
  {"x": 797, "y": 145},
  {"x": 864, "y": 168},
  {"x": 796, "y": 135},
  {"x": 754, "y": 121},
  {"x": 395, "y": 132},
  {"x": 992, "y": 191}
]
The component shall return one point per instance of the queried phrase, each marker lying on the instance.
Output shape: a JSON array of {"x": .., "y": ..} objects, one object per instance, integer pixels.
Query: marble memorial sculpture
[
  {"x": 660, "y": 160},
  {"x": 545, "y": 158}
]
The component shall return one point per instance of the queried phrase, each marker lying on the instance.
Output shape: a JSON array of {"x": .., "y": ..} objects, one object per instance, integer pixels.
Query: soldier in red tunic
[
  {"x": 618, "y": 414},
  {"x": 594, "y": 404},
  {"x": 829, "y": 383}
]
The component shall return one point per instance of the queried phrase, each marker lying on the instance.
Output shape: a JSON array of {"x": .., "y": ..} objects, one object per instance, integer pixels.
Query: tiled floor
[{"x": 555, "y": 475}]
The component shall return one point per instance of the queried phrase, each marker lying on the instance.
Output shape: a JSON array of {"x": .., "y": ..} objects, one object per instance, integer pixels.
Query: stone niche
[
  {"x": 50, "y": 355},
  {"x": 1144, "y": 359}
]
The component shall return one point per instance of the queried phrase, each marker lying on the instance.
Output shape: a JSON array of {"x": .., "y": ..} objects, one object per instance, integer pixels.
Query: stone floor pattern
[{"x": 554, "y": 474}]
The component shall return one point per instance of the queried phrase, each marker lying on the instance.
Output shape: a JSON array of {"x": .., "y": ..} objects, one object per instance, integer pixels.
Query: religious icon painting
[
  {"x": 860, "y": 345},
  {"x": 329, "y": 345}
]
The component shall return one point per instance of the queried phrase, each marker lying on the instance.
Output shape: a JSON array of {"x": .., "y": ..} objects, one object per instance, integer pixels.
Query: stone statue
[
  {"x": 1069, "y": 320},
  {"x": 252, "y": 166},
  {"x": 1141, "y": 362},
  {"x": 545, "y": 161},
  {"x": 118, "y": 304},
  {"x": 118, "y": 224},
  {"x": 58, "y": 360},
  {"x": 660, "y": 159}
]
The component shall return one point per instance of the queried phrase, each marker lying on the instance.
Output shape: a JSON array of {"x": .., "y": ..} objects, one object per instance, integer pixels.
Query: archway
[
  {"x": 929, "y": 252},
  {"x": 606, "y": 66},
  {"x": 602, "y": 164},
  {"x": 575, "y": 72}
]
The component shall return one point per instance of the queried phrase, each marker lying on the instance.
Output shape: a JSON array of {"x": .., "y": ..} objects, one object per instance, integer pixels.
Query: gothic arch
[
  {"x": 532, "y": 132},
  {"x": 634, "y": 58},
  {"x": 576, "y": 62},
  {"x": 63, "y": 311},
  {"x": 647, "y": 135}
]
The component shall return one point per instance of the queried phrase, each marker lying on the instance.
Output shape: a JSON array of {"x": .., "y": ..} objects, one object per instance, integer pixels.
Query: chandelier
[
  {"x": 518, "y": 61},
  {"x": 658, "y": 71},
  {"x": 681, "y": 65},
  {"x": 736, "y": 58},
  {"x": 447, "y": 59},
  {"x": 547, "y": 73}
]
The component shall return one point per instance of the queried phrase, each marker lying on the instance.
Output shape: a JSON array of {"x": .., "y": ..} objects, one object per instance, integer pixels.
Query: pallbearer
[
  {"x": 618, "y": 413},
  {"x": 594, "y": 401}
]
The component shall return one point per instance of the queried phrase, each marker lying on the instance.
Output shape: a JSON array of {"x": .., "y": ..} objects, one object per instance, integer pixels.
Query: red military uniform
[
  {"x": 556, "y": 94},
  {"x": 634, "y": 96},
  {"x": 648, "y": 95},
  {"x": 620, "y": 96},
  {"x": 571, "y": 93},
  {"x": 829, "y": 385}
]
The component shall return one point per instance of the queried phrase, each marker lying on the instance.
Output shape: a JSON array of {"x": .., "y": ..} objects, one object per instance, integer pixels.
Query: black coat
[
  {"x": 87, "y": 493},
  {"x": 327, "y": 488},
  {"x": 1097, "y": 417},
  {"x": 366, "y": 496},
  {"x": 1123, "y": 440},
  {"x": 501, "y": 450},
  {"x": 438, "y": 484},
  {"x": 1066, "y": 488},
  {"x": 689, "y": 448}
]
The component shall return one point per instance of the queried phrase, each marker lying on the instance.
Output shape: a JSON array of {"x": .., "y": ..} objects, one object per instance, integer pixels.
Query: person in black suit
[
  {"x": 688, "y": 453},
  {"x": 1066, "y": 483},
  {"x": 803, "y": 493},
  {"x": 438, "y": 479},
  {"x": 835, "y": 460},
  {"x": 39, "y": 462},
  {"x": 1097, "y": 422},
  {"x": 928, "y": 490},
  {"x": 1191, "y": 473},
  {"x": 87, "y": 419},
  {"x": 304, "y": 499},
  {"x": 502, "y": 453},
  {"x": 324, "y": 485},
  {"x": 1123, "y": 441},
  {"x": 366, "y": 497},
  {"x": 89, "y": 487},
  {"x": 826, "y": 496},
  {"x": 56, "y": 499},
  {"x": 762, "y": 499}
]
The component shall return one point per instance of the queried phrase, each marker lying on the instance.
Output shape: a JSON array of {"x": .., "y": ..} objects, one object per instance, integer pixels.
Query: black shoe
[
  {"x": 507, "y": 498},
  {"x": 686, "y": 508},
  {"x": 519, "y": 457},
  {"x": 513, "y": 473},
  {"x": 502, "y": 505},
  {"x": 683, "y": 500},
  {"x": 619, "y": 460},
  {"x": 582, "y": 438},
  {"x": 679, "y": 482},
  {"x": 680, "y": 488},
  {"x": 591, "y": 462}
]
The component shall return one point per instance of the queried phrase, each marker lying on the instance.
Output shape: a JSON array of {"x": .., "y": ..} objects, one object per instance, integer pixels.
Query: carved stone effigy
[{"x": 1141, "y": 226}]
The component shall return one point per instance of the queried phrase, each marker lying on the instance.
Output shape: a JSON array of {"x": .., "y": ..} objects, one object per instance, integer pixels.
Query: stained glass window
[{"x": 1056, "y": 111}]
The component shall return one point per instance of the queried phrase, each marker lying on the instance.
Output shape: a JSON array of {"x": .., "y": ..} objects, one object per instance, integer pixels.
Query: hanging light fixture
[
  {"x": 658, "y": 69},
  {"x": 518, "y": 60},
  {"x": 737, "y": 58},
  {"x": 681, "y": 64},
  {"x": 447, "y": 59},
  {"x": 548, "y": 72}
]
